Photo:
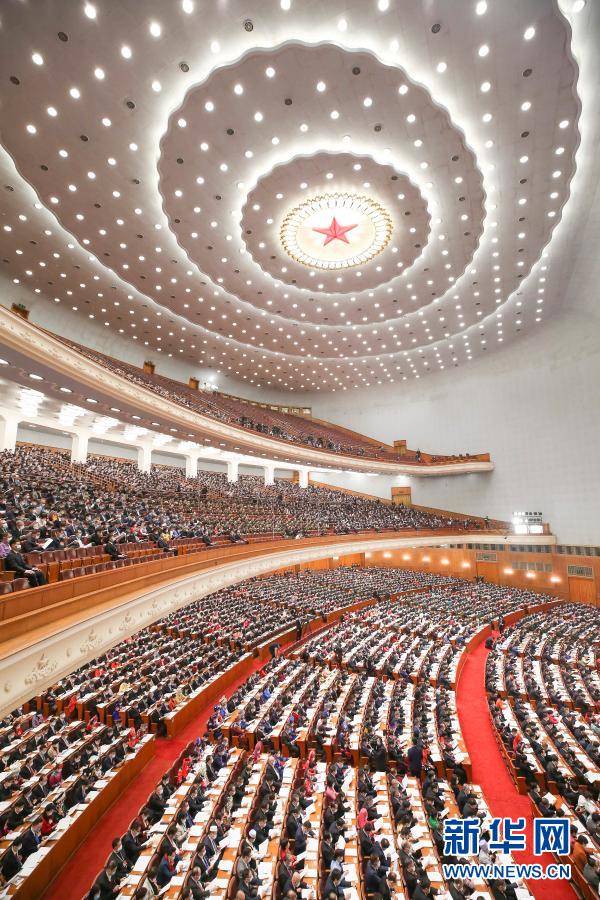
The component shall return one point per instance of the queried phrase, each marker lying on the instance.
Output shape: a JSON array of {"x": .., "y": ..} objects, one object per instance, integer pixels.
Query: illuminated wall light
[
  {"x": 335, "y": 557},
  {"x": 445, "y": 562},
  {"x": 555, "y": 579},
  {"x": 425, "y": 559},
  {"x": 509, "y": 571},
  {"x": 465, "y": 565},
  {"x": 368, "y": 555},
  {"x": 529, "y": 574},
  {"x": 387, "y": 555},
  {"x": 406, "y": 556}
]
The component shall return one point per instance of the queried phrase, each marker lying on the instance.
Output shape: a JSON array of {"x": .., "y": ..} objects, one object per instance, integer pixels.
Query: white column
[
  {"x": 9, "y": 422},
  {"x": 232, "y": 470},
  {"x": 303, "y": 478},
  {"x": 79, "y": 446},
  {"x": 144, "y": 457},
  {"x": 269, "y": 471},
  {"x": 191, "y": 466}
]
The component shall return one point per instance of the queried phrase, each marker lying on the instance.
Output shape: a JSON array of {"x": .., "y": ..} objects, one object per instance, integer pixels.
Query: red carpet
[
  {"x": 490, "y": 771},
  {"x": 77, "y": 876}
]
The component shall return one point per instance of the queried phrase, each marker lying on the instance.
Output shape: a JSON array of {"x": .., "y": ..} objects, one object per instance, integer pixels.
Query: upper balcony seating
[{"x": 272, "y": 422}]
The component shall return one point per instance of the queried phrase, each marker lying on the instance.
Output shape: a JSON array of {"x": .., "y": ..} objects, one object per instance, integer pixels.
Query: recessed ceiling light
[
  {"x": 63, "y": 153},
  {"x": 526, "y": 105},
  {"x": 485, "y": 87},
  {"x": 182, "y": 123},
  {"x": 342, "y": 25},
  {"x": 285, "y": 4},
  {"x": 187, "y": 6},
  {"x": 441, "y": 67},
  {"x": 99, "y": 73},
  {"x": 403, "y": 89},
  {"x": 383, "y": 5},
  {"x": 31, "y": 129},
  {"x": 411, "y": 118},
  {"x": 481, "y": 8},
  {"x": 334, "y": 114},
  {"x": 35, "y": 377},
  {"x": 90, "y": 10},
  {"x": 155, "y": 29},
  {"x": 367, "y": 101},
  {"x": 75, "y": 93},
  {"x": 126, "y": 51},
  {"x": 564, "y": 123},
  {"x": 321, "y": 86},
  {"x": 106, "y": 122},
  {"x": 258, "y": 117},
  {"x": 156, "y": 87},
  {"x": 270, "y": 72},
  {"x": 37, "y": 58},
  {"x": 483, "y": 50},
  {"x": 529, "y": 33}
]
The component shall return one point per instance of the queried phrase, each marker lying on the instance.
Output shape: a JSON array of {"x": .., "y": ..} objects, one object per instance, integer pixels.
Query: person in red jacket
[{"x": 48, "y": 820}]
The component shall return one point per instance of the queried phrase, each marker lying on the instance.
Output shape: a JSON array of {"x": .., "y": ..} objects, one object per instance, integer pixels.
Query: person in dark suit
[
  {"x": 119, "y": 857},
  {"x": 375, "y": 878},
  {"x": 167, "y": 868},
  {"x": 335, "y": 885},
  {"x": 199, "y": 892},
  {"x": 415, "y": 759},
  {"x": 30, "y": 839},
  {"x": 108, "y": 882},
  {"x": 210, "y": 843},
  {"x": 29, "y": 543},
  {"x": 300, "y": 839},
  {"x": 15, "y": 562},
  {"x": 11, "y": 863},
  {"x": 132, "y": 843},
  {"x": 111, "y": 549}
]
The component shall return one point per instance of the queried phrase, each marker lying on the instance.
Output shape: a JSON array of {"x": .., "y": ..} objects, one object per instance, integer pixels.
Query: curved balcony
[{"x": 97, "y": 383}]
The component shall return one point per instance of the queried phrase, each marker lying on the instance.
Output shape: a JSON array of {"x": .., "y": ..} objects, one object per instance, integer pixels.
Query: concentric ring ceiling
[{"x": 153, "y": 153}]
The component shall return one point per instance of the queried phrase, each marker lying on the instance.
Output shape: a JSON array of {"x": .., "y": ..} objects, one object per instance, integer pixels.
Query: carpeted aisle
[
  {"x": 489, "y": 769},
  {"x": 77, "y": 876}
]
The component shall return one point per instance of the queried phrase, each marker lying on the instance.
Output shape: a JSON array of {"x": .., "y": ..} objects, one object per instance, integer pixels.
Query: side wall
[{"x": 535, "y": 407}]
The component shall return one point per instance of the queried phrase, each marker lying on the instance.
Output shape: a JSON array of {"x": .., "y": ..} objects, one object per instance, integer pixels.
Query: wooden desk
[{"x": 66, "y": 841}]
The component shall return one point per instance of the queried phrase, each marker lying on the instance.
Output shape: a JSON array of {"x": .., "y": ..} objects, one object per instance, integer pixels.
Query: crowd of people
[
  {"x": 544, "y": 696},
  {"x": 322, "y": 774},
  {"x": 49, "y": 504},
  {"x": 270, "y": 421}
]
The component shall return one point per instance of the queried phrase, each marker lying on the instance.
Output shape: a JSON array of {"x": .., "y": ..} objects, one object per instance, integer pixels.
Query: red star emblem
[{"x": 335, "y": 232}]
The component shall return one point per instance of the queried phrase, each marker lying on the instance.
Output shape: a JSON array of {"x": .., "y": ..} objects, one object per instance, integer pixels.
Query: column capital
[
  {"x": 191, "y": 464},
  {"x": 79, "y": 445},
  {"x": 303, "y": 478},
  {"x": 9, "y": 423},
  {"x": 232, "y": 470},
  {"x": 144, "y": 457}
]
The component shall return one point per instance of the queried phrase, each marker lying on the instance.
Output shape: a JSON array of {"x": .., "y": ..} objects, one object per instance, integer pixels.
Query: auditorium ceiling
[{"x": 303, "y": 196}]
